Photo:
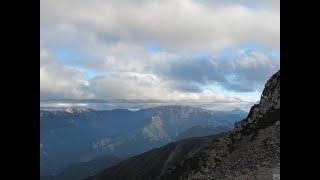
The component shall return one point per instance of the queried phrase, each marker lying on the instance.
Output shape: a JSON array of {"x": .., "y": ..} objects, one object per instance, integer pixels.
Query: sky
[{"x": 108, "y": 54}]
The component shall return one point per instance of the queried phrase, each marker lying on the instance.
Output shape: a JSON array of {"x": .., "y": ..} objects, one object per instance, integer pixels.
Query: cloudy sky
[{"x": 108, "y": 54}]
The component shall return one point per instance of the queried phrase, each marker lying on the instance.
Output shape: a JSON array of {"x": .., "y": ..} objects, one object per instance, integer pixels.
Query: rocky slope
[{"x": 250, "y": 151}]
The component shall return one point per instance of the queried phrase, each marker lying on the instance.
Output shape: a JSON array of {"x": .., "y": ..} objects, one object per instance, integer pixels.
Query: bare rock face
[{"x": 250, "y": 151}]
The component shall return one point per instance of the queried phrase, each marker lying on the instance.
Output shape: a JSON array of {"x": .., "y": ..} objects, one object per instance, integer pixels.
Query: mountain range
[{"x": 88, "y": 141}]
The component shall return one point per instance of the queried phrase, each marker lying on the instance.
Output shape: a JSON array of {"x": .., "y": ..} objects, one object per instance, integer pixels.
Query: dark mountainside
[
  {"x": 76, "y": 136},
  {"x": 250, "y": 151}
]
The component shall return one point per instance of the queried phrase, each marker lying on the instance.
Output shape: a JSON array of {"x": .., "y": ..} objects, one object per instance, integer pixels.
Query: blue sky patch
[
  {"x": 89, "y": 73},
  {"x": 64, "y": 54},
  {"x": 253, "y": 46},
  {"x": 152, "y": 46}
]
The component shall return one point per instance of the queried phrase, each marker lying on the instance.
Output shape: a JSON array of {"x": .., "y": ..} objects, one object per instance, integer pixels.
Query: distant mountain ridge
[{"x": 79, "y": 134}]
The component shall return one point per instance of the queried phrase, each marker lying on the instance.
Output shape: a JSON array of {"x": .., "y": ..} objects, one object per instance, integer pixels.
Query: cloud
[
  {"x": 147, "y": 88},
  {"x": 176, "y": 24},
  {"x": 140, "y": 53},
  {"x": 249, "y": 71},
  {"x": 202, "y": 71},
  {"x": 70, "y": 85},
  {"x": 245, "y": 71},
  {"x": 58, "y": 81},
  {"x": 171, "y": 81}
]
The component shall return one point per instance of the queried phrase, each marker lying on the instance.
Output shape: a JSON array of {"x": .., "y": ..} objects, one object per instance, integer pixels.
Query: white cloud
[
  {"x": 249, "y": 70},
  {"x": 147, "y": 88},
  {"x": 177, "y": 24},
  {"x": 59, "y": 81},
  {"x": 175, "y": 82},
  {"x": 110, "y": 36}
]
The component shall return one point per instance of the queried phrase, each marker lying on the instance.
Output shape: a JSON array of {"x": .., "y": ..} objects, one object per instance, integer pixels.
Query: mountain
[
  {"x": 199, "y": 131},
  {"x": 250, "y": 151},
  {"x": 77, "y": 135}
]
